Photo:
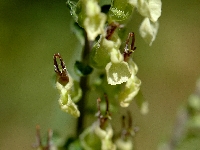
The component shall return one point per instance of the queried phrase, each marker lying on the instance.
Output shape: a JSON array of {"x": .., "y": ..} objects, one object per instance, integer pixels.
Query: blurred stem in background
[{"x": 186, "y": 133}]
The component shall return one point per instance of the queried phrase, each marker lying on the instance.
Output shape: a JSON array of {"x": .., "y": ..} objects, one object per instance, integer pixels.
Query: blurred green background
[{"x": 32, "y": 31}]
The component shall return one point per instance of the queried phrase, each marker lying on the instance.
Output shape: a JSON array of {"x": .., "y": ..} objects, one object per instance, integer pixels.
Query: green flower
[
  {"x": 90, "y": 18},
  {"x": 95, "y": 138},
  {"x": 117, "y": 73},
  {"x": 68, "y": 95},
  {"x": 106, "y": 137},
  {"x": 100, "y": 54},
  {"x": 148, "y": 30},
  {"x": 89, "y": 140},
  {"x": 124, "y": 144},
  {"x": 151, "y": 10},
  {"x": 103, "y": 51},
  {"x": 131, "y": 89}
]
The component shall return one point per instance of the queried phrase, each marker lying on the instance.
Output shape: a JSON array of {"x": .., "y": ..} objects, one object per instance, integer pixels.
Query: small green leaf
[{"x": 82, "y": 69}]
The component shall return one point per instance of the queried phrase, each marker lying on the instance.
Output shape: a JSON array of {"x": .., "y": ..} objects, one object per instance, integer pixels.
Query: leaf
[{"x": 82, "y": 69}]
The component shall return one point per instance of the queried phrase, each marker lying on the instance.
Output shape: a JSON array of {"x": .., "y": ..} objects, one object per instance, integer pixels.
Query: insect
[{"x": 62, "y": 73}]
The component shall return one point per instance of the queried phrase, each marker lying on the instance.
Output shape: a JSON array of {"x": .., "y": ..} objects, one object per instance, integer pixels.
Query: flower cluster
[
  {"x": 106, "y": 54},
  {"x": 100, "y": 134}
]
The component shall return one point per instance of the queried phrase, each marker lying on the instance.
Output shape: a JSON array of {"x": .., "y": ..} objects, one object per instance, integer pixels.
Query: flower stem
[{"x": 85, "y": 88}]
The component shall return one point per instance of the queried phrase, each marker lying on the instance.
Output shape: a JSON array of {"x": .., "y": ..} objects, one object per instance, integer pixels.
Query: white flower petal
[
  {"x": 94, "y": 137},
  {"x": 117, "y": 73},
  {"x": 94, "y": 20},
  {"x": 92, "y": 8},
  {"x": 116, "y": 56},
  {"x": 155, "y": 9},
  {"x": 131, "y": 89},
  {"x": 68, "y": 105},
  {"x": 65, "y": 100},
  {"x": 95, "y": 25},
  {"x": 124, "y": 144},
  {"x": 150, "y": 9},
  {"x": 133, "y": 2},
  {"x": 144, "y": 109},
  {"x": 148, "y": 30}
]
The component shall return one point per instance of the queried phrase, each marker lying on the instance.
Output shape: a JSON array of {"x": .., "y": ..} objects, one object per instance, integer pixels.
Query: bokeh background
[{"x": 32, "y": 31}]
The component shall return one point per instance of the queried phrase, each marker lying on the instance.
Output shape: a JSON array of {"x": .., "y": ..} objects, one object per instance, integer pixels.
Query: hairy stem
[{"x": 85, "y": 88}]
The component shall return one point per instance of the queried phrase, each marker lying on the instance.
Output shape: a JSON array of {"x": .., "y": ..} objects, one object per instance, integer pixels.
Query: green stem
[{"x": 84, "y": 85}]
